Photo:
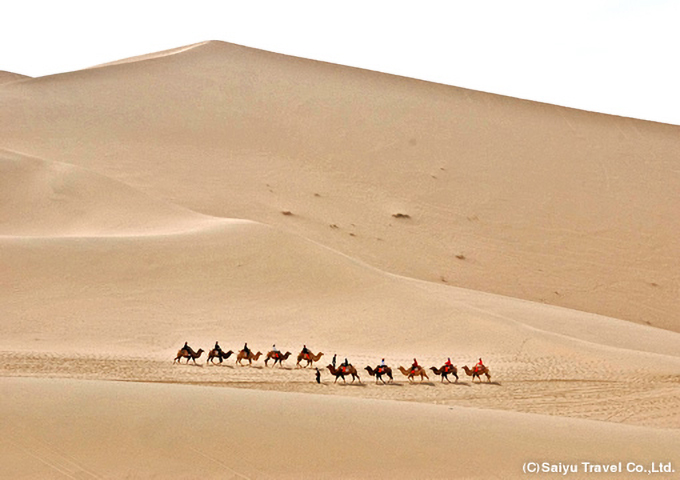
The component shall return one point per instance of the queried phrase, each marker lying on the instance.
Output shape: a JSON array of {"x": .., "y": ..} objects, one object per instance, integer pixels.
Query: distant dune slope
[
  {"x": 43, "y": 198},
  {"x": 143, "y": 289},
  {"x": 500, "y": 195}
]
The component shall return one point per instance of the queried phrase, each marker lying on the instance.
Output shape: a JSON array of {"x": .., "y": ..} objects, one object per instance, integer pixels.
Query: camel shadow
[
  {"x": 427, "y": 384},
  {"x": 350, "y": 384},
  {"x": 498, "y": 384}
]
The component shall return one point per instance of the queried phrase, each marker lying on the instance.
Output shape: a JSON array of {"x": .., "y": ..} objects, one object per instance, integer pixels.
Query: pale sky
[{"x": 610, "y": 56}]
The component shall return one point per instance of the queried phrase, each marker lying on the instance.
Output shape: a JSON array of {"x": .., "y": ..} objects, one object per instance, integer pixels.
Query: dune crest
[
  {"x": 150, "y": 56},
  {"x": 8, "y": 77}
]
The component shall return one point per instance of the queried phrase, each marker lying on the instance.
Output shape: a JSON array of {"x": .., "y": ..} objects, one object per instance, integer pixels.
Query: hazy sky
[{"x": 611, "y": 56}]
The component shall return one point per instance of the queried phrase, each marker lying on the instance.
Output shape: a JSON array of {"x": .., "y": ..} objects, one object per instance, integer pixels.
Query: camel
[
  {"x": 478, "y": 372},
  {"x": 379, "y": 372},
  {"x": 342, "y": 371},
  {"x": 310, "y": 357},
  {"x": 188, "y": 354},
  {"x": 242, "y": 355},
  {"x": 220, "y": 355},
  {"x": 277, "y": 357},
  {"x": 445, "y": 371},
  {"x": 410, "y": 374}
]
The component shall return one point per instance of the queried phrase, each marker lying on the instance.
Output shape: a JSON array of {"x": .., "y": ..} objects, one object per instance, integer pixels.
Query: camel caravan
[{"x": 306, "y": 358}]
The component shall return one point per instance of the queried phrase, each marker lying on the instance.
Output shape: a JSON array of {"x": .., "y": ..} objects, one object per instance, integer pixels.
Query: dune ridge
[{"x": 7, "y": 77}]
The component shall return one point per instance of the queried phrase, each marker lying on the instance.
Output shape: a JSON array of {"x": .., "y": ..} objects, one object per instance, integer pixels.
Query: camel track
[{"x": 542, "y": 386}]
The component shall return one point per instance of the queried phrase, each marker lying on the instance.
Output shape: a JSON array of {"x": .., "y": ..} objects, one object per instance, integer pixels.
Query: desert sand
[{"x": 215, "y": 192}]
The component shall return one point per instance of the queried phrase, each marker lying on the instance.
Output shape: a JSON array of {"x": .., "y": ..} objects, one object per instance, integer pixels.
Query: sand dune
[
  {"x": 556, "y": 205},
  {"x": 216, "y": 192}
]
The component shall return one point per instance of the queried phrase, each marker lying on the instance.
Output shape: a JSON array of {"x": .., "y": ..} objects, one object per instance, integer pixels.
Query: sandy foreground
[{"x": 218, "y": 193}]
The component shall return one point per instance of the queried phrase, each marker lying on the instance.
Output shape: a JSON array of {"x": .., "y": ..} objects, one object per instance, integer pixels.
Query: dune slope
[
  {"x": 528, "y": 200},
  {"x": 196, "y": 432}
]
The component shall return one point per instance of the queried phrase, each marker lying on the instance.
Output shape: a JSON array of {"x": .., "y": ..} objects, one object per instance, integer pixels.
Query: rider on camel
[
  {"x": 382, "y": 367},
  {"x": 480, "y": 366},
  {"x": 415, "y": 365},
  {"x": 187, "y": 348},
  {"x": 448, "y": 365},
  {"x": 246, "y": 350},
  {"x": 305, "y": 352},
  {"x": 276, "y": 351}
]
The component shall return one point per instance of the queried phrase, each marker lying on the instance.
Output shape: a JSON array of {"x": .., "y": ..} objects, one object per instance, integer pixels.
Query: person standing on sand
[{"x": 318, "y": 375}]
